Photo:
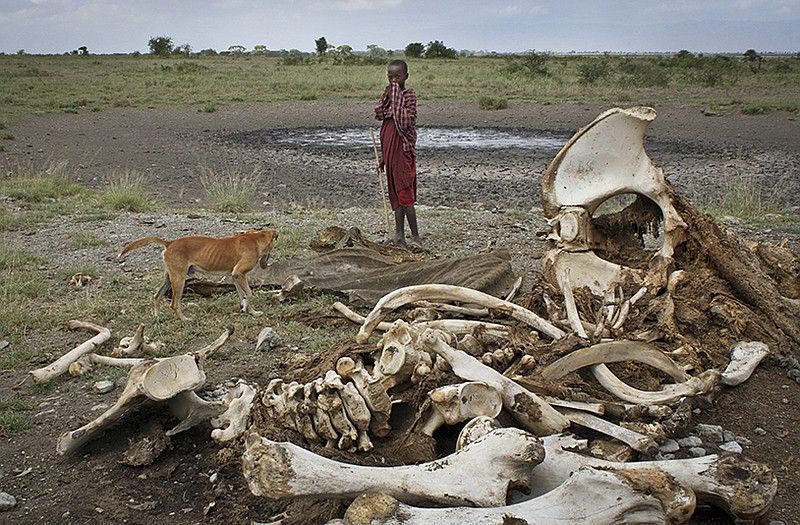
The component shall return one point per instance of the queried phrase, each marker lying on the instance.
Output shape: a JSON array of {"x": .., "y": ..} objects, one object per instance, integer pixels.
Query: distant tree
[
  {"x": 437, "y": 49},
  {"x": 322, "y": 46},
  {"x": 83, "y": 50},
  {"x": 185, "y": 50},
  {"x": 414, "y": 50},
  {"x": 237, "y": 50},
  {"x": 160, "y": 45},
  {"x": 20, "y": 51},
  {"x": 684, "y": 53},
  {"x": 208, "y": 52},
  {"x": 753, "y": 57},
  {"x": 375, "y": 52},
  {"x": 260, "y": 50}
]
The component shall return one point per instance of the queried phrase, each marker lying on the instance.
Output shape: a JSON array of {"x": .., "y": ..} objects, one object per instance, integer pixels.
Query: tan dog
[{"x": 234, "y": 256}]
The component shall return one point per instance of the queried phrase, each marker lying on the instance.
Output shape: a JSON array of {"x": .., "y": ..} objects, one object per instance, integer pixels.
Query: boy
[{"x": 397, "y": 109}]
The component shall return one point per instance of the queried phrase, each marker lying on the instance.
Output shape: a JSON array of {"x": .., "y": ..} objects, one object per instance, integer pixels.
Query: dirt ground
[{"x": 196, "y": 481}]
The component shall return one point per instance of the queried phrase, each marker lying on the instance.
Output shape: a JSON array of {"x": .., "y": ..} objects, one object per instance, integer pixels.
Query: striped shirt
[{"x": 400, "y": 105}]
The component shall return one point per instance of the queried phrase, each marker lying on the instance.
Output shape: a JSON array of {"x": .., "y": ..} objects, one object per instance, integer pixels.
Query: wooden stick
[{"x": 380, "y": 180}]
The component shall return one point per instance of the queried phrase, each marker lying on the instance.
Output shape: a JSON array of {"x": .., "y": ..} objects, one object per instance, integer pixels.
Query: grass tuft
[
  {"x": 126, "y": 192},
  {"x": 230, "y": 189}
]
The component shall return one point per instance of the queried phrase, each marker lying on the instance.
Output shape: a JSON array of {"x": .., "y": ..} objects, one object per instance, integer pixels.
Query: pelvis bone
[{"x": 602, "y": 160}]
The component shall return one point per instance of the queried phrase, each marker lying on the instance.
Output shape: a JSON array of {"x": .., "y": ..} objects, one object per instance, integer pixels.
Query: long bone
[
  {"x": 530, "y": 410},
  {"x": 743, "y": 488},
  {"x": 614, "y": 352},
  {"x": 456, "y": 326},
  {"x": 410, "y": 294},
  {"x": 61, "y": 365},
  {"x": 480, "y": 474},
  {"x": 665, "y": 395},
  {"x": 157, "y": 379},
  {"x": 589, "y": 496}
]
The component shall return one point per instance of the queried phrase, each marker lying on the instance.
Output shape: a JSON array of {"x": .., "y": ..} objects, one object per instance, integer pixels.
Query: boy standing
[{"x": 397, "y": 109}]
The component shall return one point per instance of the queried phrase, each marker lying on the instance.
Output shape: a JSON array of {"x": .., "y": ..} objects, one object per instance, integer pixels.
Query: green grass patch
[
  {"x": 230, "y": 188},
  {"x": 85, "y": 239},
  {"x": 490, "y": 102},
  {"x": 14, "y": 416},
  {"x": 126, "y": 191}
]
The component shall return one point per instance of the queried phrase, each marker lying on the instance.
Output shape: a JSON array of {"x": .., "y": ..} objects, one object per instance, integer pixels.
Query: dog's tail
[{"x": 142, "y": 242}]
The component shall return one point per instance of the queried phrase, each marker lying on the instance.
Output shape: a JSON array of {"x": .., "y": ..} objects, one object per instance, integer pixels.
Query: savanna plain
[{"x": 97, "y": 151}]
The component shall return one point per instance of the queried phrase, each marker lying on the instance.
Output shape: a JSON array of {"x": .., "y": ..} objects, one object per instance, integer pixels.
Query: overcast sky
[{"x": 124, "y": 26}]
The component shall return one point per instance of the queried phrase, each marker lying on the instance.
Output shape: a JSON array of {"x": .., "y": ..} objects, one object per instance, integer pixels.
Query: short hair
[{"x": 400, "y": 63}]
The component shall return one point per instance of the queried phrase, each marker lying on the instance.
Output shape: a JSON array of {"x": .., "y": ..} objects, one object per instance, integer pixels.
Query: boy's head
[{"x": 398, "y": 72}]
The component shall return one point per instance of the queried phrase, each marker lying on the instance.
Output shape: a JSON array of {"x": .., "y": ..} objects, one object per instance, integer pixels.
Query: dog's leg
[
  {"x": 159, "y": 296},
  {"x": 178, "y": 279},
  {"x": 245, "y": 293}
]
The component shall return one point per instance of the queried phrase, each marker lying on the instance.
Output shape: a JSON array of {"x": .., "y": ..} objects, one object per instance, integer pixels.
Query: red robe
[{"x": 397, "y": 109}]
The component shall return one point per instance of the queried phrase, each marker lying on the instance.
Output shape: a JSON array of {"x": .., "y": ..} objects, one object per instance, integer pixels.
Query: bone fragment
[
  {"x": 355, "y": 406},
  {"x": 373, "y": 392},
  {"x": 635, "y": 440},
  {"x": 452, "y": 404},
  {"x": 741, "y": 487},
  {"x": 410, "y": 294},
  {"x": 505, "y": 456},
  {"x": 589, "y": 496},
  {"x": 614, "y": 352},
  {"x": 61, "y": 365},
  {"x": 328, "y": 400},
  {"x": 234, "y": 421},
  {"x": 745, "y": 357},
  {"x": 130, "y": 346},
  {"x": 192, "y": 410},
  {"x": 665, "y": 395},
  {"x": 572, "y": 309},
  {"x": 530, "y": 410},
  {"x": 87, "y": 361},
  {"x": 157, "y": 379}
]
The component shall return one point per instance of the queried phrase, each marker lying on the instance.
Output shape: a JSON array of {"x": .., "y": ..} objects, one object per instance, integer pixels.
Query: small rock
[
  {"x": 697, "y": 451},
  {"x": 104, "y": 387},
  {"x": 690, "y": 441},
  {"x": 7, "y": 501},
  {"x": 760, "y": 431},
  {"x": 4, "y": 344},
  {"x": 712, "y": 433},
  {"x": 669, "y": 446},
  {"x": 268, "y": 339},
  {"x": 731, "y": 446}
]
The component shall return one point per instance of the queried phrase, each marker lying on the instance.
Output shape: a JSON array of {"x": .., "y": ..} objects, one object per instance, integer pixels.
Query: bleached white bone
[
  {"x": 635, "y": 440},
  {"x": 61, "y": 365},
  {"x": 328, "y": 400},
  {"x": 373, "y": 392},
  {"x": 452, "y": 404},
  {"x": 530, "y": 410},
  {"x": 743, "y": 488},
  {"x": 499, "y": 459},
  {"x": 355, "y": 406},
  {"x": 410, "y": 294},
  {"x": 745, "y": 357},
  {"x": 589, "y": 496},
  {"x": 665, "y": 395},
  {"x": 456, "y": 326},
  {"x": 192, "y": 410},
  {"x": 607, "y": 158},
  {"x": 614, "y": 352},
  {"x": 571, "y": 308},
  {"x": 232, "y": 423},
  {"x": 157, "y": 379}
]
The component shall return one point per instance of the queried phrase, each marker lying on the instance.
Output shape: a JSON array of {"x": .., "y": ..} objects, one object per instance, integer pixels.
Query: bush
[
  {"x": 593, "y": 71},
  {"x": 532, "y": 64},
  {"x": 487, "y": 102},
  {"x": 126, "y": 192},
  {"x": 230, "y": 190}
]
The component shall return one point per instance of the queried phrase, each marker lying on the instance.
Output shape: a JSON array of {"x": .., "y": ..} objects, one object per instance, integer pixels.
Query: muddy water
[{"x": 428, "y": 138}]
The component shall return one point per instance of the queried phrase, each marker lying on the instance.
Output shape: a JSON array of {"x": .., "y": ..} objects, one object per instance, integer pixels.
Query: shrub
[
  {"x": 230, "y": 190},
  {"x": 487, "y": 102},
  {"x": 126, "y": 192},
  {"x": 593, "y": 71}
]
